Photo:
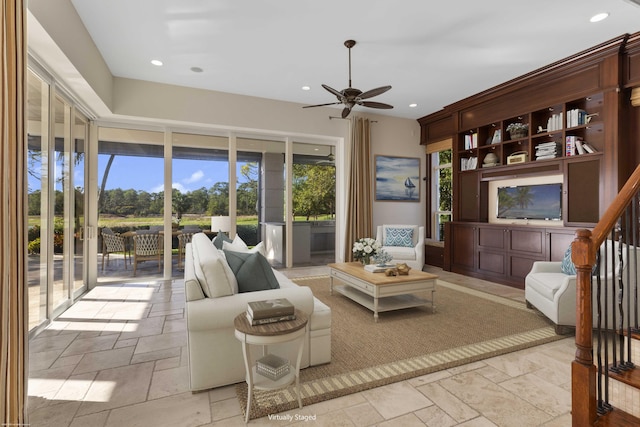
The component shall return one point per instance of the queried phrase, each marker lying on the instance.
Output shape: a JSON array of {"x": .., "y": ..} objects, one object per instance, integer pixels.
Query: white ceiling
[{"x": 432, "y": 53}]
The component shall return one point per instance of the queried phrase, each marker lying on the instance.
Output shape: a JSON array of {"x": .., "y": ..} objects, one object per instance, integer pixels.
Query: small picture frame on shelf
[{"x": 497, "y": 136}]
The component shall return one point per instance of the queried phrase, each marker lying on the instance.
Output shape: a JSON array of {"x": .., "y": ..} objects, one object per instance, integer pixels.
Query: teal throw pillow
[
  {"x": 220, "y": 239},
  {"x": 399, "y": 237},
  {"x": 567, "y": 266},
  {"x": 252, "y": 271}
]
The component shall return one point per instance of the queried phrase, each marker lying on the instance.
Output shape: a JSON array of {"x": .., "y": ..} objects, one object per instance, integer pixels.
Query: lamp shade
[{"x": 221, "y": 223}]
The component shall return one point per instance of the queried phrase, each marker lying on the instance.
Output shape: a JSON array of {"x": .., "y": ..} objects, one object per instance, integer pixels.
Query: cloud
[
  {"x": 157, "y": 189},
  {"x": 179, "y": 187},
  {"x": 195, "y": 177}
]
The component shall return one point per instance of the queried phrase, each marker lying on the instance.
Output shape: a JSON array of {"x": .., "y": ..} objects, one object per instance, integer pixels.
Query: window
[{"x": 441, "y": 176}]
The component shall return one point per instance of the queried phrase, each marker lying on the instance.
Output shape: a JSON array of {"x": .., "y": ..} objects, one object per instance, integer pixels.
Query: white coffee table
[{"x": 378, "y": 292}]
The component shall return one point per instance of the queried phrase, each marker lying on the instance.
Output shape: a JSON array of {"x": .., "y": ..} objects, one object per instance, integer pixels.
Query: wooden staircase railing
[{"x": 606, "y": 290}]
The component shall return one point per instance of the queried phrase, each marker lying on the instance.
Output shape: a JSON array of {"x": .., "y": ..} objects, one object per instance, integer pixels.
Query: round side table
[{"x": 265, "y": 335}]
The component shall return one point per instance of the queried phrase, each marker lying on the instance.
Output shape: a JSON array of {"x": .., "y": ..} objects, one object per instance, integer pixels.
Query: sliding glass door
[{"x": 56, "y": 199}]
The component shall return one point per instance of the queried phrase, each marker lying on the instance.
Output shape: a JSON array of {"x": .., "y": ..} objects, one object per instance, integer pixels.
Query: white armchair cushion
[
  {"x": 212, "y": 271},
  {"x": 399, "y": 252},
  {"x": 547, "y": 284}
]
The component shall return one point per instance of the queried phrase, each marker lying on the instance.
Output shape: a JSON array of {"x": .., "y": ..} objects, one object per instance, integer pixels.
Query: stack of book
[
  {"x": 270, "y": 311},
  {"x": 468, "y": 163},
  {"x": 547, "y": 150},
  {"x": 375, "y": 268},
  {"x": 272, "y": 366}
]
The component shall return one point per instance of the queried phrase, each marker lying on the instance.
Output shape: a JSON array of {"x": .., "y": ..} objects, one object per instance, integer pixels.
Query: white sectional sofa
[{"x": 215, "y": 355}]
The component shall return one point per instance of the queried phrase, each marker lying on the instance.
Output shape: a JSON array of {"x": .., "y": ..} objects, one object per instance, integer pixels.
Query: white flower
[{"x": 366, "y": 247}]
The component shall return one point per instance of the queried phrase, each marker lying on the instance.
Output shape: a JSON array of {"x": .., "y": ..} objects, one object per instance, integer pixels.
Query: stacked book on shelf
[
  {"x": 468, "y": 163},
  {"x": 270, "y": 311},
  {"x": 272, "y": 366},
  {"x": 576, "y": 117},
  {"x": 547, "y": 150},
  {"x": 554, "y": 123},
  {"x": 574, "y": 145},
  {"x": 471, "y": 141}
]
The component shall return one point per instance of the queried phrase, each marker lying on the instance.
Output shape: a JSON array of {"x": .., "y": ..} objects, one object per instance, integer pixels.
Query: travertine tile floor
[{"x": 118, "y": 358}]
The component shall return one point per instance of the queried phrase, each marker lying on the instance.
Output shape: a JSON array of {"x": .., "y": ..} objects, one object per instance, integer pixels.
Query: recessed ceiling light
[
  {"x": 156, "y": 62},
  {"x": 599, "y": 17},
  {"x": 413, "y": 105},
  {"x": 196, "y": 69},
  {"x": 306, "y": 88}
]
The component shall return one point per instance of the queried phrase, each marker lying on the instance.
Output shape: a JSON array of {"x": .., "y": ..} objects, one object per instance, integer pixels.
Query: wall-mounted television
[{"x": 535, "y": 201}]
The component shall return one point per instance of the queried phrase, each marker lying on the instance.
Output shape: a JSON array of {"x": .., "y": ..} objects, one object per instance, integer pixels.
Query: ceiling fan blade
[
  {"x": 321, "y": 105},
  {"x": 374, "y": 92},
  {"x": 333, "y": 91},
  {"x": 345, "y": 112},
  {"x": 380, "y": 105}
]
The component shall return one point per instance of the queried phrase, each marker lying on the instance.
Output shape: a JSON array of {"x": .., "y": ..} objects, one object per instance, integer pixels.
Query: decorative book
[
  {"x": 270, "y": 308},
  {"x": 373, "y": 268},
  {"x": 272, "y": 366},
  {"x": 268, "y": 320}
]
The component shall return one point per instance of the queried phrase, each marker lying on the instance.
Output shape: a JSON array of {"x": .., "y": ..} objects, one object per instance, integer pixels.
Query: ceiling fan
[
  {"x": 328, "y": 159},
  {"x": 352, "y": 96}
]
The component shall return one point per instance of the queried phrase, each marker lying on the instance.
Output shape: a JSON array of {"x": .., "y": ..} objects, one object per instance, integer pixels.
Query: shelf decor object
[{"x": 518, "y": 130}]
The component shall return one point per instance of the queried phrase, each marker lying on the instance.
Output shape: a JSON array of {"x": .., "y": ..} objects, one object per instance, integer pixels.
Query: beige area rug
[{"x": 466, "y": 326}]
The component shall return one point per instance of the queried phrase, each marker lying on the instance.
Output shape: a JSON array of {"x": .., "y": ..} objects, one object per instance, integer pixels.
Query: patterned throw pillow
[
  {"x": 567, "y": 266},
  {"x": 399, "y": 237}
]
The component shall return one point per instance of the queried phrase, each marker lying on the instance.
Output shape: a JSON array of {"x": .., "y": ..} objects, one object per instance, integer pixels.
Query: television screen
[{"x": 538, "y": 201}]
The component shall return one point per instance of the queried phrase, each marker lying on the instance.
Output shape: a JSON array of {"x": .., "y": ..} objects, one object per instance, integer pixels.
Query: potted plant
[
  {"x": 365, "y": 249},
  {"x": 518, "y": 130}
]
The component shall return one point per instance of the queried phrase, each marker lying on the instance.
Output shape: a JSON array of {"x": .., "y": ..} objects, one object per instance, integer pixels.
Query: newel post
[{"x": 583, "y": 372}]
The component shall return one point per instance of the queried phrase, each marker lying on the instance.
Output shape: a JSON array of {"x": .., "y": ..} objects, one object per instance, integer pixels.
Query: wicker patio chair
[
  {"x": 183, "y": 239},
  {"x": 147, "y": 247},
  {"x": 113, "y": 242}
]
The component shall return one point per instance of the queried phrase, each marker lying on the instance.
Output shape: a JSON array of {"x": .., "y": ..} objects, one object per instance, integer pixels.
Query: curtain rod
[{"x": 334, "y": 117}]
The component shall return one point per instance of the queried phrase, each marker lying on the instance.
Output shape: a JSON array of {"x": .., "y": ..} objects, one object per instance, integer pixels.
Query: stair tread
[
  {"x": 630, "y": 377},
  {"x": 617, "y": 418}
]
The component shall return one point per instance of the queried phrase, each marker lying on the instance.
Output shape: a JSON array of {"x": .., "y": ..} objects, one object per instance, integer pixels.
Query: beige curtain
[
  {"x": 13, "y": 307},
  {"x": 359, "y": 221}
]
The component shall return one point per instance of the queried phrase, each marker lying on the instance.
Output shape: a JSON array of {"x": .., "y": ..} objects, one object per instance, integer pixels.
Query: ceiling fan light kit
[{"x": 351, "y": 96}]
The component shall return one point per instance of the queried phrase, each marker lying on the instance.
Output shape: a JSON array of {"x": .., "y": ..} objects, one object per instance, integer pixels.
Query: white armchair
[
  {"x": 394, "y": 239},
  {"x": 553, "y": 293}
]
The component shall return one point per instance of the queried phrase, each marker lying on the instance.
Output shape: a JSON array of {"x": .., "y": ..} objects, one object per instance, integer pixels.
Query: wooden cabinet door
[
  {"x": 526, "y": 246},
  {"x": 491, "y": 250},
  {"x": 463, "y": 242},
  {"x": 582, "y": 191},
  {"x": 467, "y": 197},
  {"x": 559, "y": 241}
]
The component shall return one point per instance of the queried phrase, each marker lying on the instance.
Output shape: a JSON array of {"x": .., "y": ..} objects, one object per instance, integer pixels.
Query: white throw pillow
[
  {"x": 212, "y": 271},
  {"x": 238, "y": 245}
]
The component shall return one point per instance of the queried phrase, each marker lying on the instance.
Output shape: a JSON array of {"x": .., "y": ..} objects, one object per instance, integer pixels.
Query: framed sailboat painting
[{"x": 397, "y": 178}]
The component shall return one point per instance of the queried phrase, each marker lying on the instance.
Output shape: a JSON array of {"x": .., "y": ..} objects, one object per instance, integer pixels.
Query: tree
[
  {"x": 219, "y": 199},
  {"x": 314, "y": 190},
  {"x": 180, "y": 203}
]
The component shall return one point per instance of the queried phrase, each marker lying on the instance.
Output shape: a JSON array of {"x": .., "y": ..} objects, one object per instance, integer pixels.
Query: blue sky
[{"x": 145, "y": 173}]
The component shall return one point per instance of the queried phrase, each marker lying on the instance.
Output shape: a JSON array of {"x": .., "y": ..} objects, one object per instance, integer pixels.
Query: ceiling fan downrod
[{"x": 349, "y": 44}]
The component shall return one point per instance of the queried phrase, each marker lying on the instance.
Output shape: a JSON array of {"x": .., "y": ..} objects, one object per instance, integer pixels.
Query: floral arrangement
[
  {"x": 366, "y": 248},
  {"x": 517, "y": 127},
  {"x": 382, "y": 258}
]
